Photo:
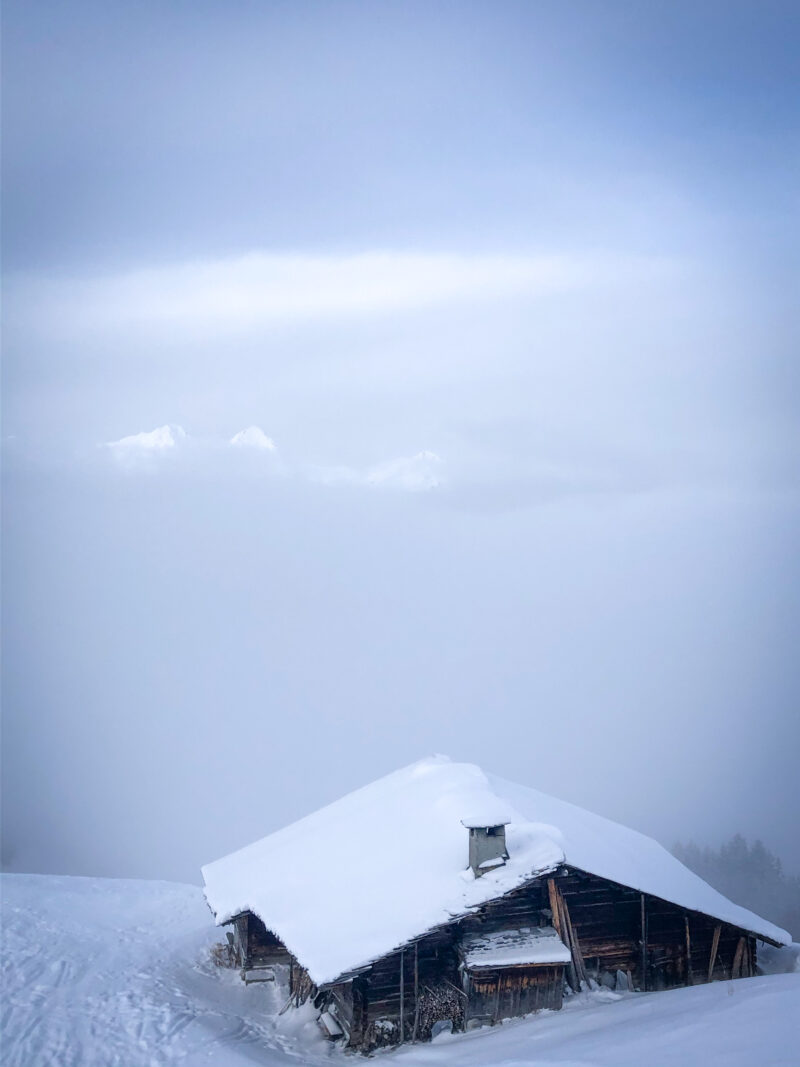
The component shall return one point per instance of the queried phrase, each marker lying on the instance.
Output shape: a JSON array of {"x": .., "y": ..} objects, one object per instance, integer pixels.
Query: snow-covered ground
[
  {"x": 105, "y": 972},
  {"x": 108, "y": 973}
]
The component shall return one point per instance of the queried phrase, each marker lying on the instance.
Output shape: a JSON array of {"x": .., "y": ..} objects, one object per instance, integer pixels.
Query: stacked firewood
[{"x": 442, "y": 1002}]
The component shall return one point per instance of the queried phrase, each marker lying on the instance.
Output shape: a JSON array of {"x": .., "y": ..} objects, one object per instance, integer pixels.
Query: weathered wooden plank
[
  {"x": 714, "y": 947},
  {"x": 416, "y": 992},
  {"x": 562, "y": 926},
  {"x": 402, "y": 996},
  {"x": 736, "y": 966},
  {"x": 573, "y": 943},
  {"x": 554, "y": 906}
]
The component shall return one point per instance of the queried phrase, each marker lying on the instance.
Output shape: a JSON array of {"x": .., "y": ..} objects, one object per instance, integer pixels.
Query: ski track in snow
[
  {"x": 118, "y": 973},
  {"x": 111, "y": 973}
]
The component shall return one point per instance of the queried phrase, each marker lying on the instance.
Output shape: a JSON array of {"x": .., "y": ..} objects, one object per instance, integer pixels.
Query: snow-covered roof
[
  {"x": 514, "y": 948},
  {"x": 379, "y": 867}
]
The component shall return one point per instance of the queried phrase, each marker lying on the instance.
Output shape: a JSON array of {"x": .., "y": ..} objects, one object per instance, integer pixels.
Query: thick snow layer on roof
[
  {"x": 373, "y": 870},
  {"x": 513, "y": 948},
  {"x": 492, "y": 812},
  {"x": 376, "y": 868}
]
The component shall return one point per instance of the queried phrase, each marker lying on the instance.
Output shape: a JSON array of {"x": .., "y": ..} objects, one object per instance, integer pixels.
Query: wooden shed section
[
  {"x": 473, "y": 900},
  {"x": 257, "y": 948},
  {"x": 513, "y": 972}
]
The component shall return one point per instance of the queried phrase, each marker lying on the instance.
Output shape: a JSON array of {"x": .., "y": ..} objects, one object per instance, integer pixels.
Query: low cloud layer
[
  {"x": 421, "y": 471},
  {"x": 142, "y": 448},
  {"x": 141, "y": 452},
  {"x": 253, "y": 437},
  {"x": 406, "y": 473},
  {"x": 149, "y": 440},
  {"x": 246, "y": 293}
]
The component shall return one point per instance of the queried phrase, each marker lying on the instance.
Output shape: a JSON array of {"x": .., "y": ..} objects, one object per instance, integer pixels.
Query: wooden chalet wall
[
  {"x": 255, "y": 945},
  {"x": 400, "y": 996},
  {"x": 502, "y": 994},
  {"x": 607, "y": 919},
  {"x": 524, "y": 906},
  {"x": 511, "y": 991}
]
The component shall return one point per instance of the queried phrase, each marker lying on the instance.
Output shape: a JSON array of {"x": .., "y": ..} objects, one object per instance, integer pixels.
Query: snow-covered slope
[
  {"x": 102, "y": 973},
  {"x": 747, "y": 1023},
  {"x": 382, "y": 865},
  {"x": 111, "y": 973}
]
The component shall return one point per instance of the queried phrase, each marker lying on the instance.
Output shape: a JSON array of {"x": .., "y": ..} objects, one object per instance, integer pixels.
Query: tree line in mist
[{"x": 749, "y": 875}]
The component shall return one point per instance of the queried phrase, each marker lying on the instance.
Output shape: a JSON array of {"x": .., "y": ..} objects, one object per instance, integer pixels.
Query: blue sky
[{"x": 502, "y": 299}]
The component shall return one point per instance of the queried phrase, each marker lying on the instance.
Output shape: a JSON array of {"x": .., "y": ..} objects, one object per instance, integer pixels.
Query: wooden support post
[
  {"x": 243, "y": 929},
  {"x": 558, "y": 906},
  {"x": 553, "y": 894},
  {"x": 402, "y": 995},
  {"x": 644, "y": 942},
  {"x": 573, "y": 943},
  {"x": 736, "y": 969},
  {"x": 714, "y": 947},
  {"x": 688, "y": 952},
  {"x": 416, "y": 991}
]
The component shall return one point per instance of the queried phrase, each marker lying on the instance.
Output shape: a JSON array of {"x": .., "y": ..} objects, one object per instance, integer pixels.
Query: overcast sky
[{"x": 390, "y": 378}]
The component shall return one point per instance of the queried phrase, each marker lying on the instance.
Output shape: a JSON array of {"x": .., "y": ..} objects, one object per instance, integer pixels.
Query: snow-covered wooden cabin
[{"x": 440, "y": 896}]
